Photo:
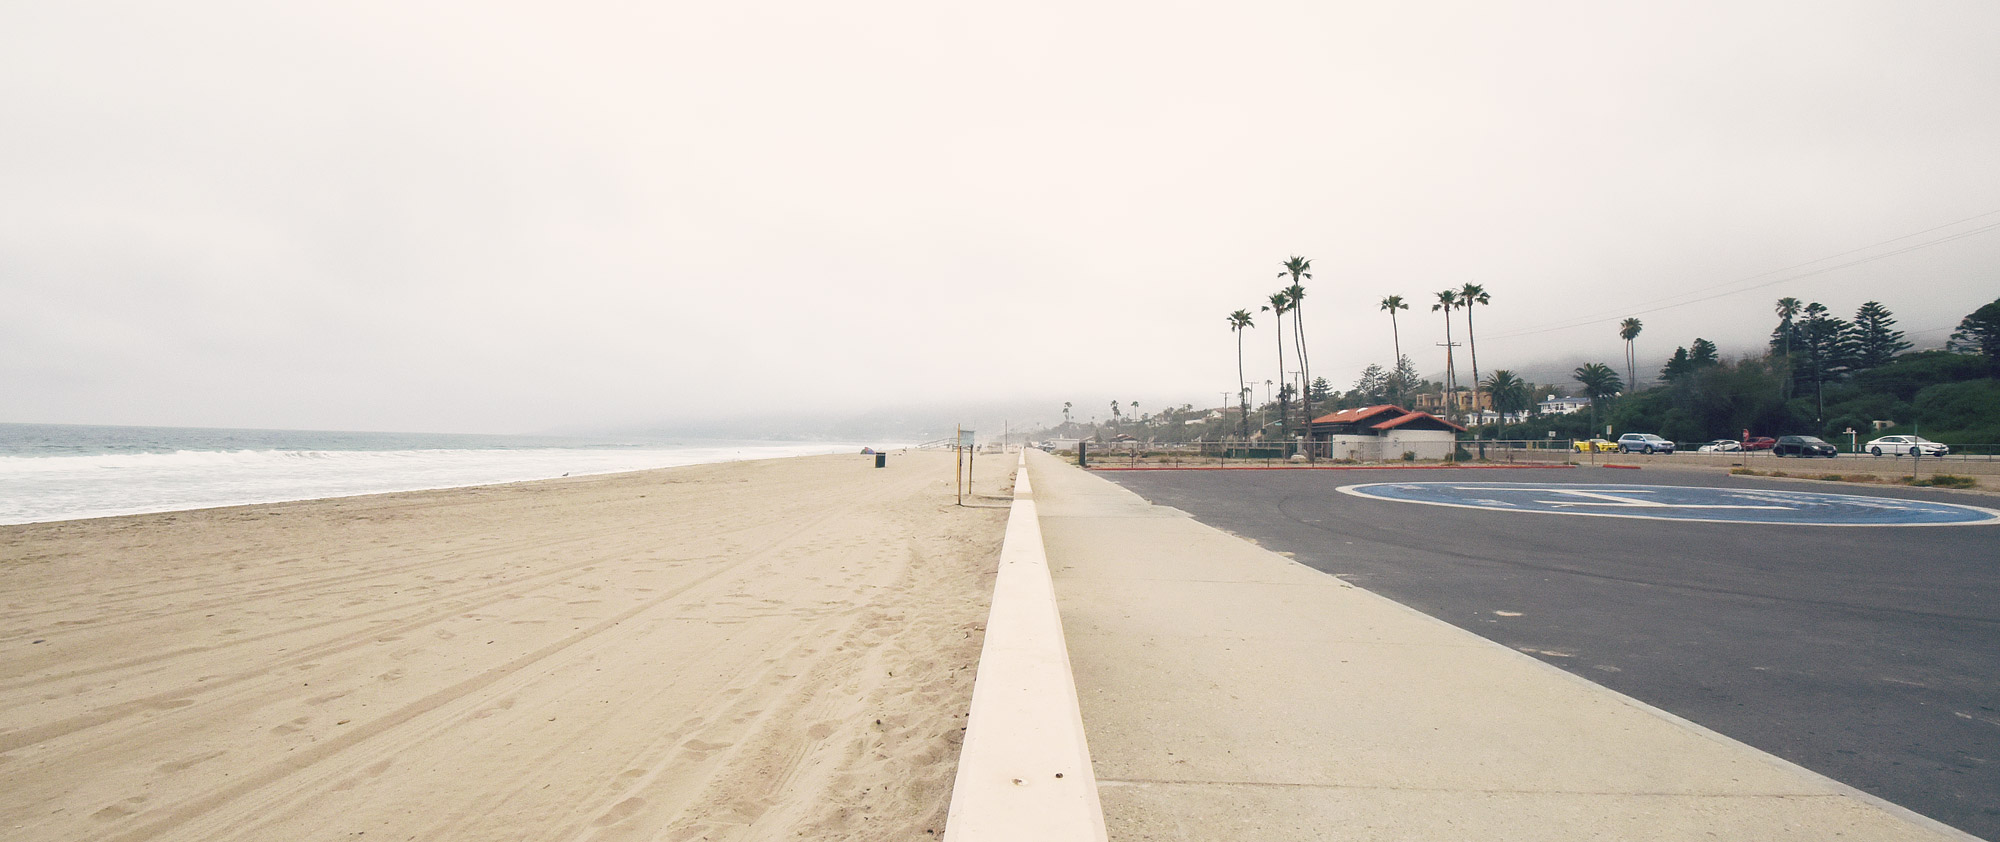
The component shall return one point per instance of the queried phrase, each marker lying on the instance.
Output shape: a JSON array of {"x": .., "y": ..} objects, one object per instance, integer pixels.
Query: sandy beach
[{"x": 763, "y": 650}]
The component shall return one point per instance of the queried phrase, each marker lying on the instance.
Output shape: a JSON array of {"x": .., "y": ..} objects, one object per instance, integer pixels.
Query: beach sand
[{"x": 765, "y": 650}]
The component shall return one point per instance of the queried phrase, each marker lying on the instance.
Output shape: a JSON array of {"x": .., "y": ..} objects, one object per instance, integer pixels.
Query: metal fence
[{"x": 1503, "y": 451}]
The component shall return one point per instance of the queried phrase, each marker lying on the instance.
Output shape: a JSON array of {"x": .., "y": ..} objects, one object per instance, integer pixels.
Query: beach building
[{"x": 1383, "y": 433}]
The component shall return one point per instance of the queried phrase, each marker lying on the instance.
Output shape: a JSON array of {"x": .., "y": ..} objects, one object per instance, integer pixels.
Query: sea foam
[{"x": 36, "y": 489}]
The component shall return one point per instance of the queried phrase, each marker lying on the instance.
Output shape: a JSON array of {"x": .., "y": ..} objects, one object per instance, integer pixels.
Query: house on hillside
[
  {"x": 1562, "y": 406},
  {"x": 1383, "y": 433}
]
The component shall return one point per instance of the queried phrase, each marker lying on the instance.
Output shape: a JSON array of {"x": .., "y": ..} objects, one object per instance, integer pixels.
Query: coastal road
[{"x": 1870, "y": 655}]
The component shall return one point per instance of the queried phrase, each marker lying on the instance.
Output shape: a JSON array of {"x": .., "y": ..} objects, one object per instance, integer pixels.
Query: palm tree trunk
[
  {"x": 1305, "y": 375},
  {"x": 1242, "y": 402},
  {"x": 1284, "y": 418},
  {"x": 1396, "y": 368},
  {"x": 1472, "y": 344},
  {"x": 1450, "y": 373}
]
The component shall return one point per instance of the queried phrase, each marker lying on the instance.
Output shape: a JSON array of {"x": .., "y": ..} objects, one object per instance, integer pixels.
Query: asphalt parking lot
[{"x": 1868, "y": 654}]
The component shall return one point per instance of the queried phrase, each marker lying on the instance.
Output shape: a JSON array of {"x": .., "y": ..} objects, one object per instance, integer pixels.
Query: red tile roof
[
  {"x": 1414, "y": 416},
  {"x": 1355, "y": 416}
]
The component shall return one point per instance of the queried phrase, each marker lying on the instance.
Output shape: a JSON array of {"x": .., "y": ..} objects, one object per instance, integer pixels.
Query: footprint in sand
[
  {"x": 620, "y": 812},
  {"x": 503, "y": 704},
  {"x": 293, "y": 726},
  {"x": 699, "y": 750},
  {"x": 188, "y": 762},
  {"x": 121, "y": 809}
]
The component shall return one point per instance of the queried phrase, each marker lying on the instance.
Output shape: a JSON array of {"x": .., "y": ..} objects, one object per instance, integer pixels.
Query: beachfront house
[
  {"x": 1383, "y": 433},
  {"x": 1562, "y": 406}
]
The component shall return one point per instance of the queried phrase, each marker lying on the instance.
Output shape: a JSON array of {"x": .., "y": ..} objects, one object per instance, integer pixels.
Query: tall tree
[
  {"x": 1239, "y": 322},
  {"x": 1373, "y": 385},
  {"x": 1788, "y": 310},
  {"x": 1677, "y": 366},
  {"x": 1510, "y": 393},
  {"x": 1406, "y": 374},
  {"x": 1979, "y": 333},
  {"x": 1469, "y": 295},
  {"x": 1397, "y": 384},
  {"x": 1628, "y": 330},
  {"x": 1447, "y": 301},
  {"x": 1281, "y": 303},
  {"x": 1599, "y": 382},
  {"x": 1703, "y": 353},
  {"x": 1873, "y": 340},
  {"x": 1065, "y": 413},
  {"x": 1299, "y": 267},
  {"x": 1828, "y": 351}
]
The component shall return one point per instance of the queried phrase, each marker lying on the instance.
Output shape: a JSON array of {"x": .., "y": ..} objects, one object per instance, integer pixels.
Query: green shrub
[{"x": 1942, "y": 481}]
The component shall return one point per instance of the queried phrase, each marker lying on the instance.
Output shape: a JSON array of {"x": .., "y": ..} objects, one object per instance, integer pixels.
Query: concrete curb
[
  {"x": 1521, "y": 467},
  {"x": 1024, "y": 769}
]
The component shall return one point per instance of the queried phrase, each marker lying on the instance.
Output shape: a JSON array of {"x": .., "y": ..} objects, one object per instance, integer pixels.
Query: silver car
[
  {"x": 1902, "y": 445},
  {"x": 1644, "y": 443}
]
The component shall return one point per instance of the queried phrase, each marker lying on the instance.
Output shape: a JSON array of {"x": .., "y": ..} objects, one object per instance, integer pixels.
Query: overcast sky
[{"x": 511, "y": 217}]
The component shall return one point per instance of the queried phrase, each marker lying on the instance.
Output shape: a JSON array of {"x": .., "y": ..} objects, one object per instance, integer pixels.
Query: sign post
[{"x": 962, "y": 469}]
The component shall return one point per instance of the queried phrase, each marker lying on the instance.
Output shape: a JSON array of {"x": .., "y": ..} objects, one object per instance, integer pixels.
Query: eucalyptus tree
[
  {"x": 1239, "y": 322},
  {"x": 1299, "y": 267},
  {"x": 1281, "y": 303},
  {"x": 1447, "y": 301},
  {"x": 1599, "y": 382},
  {"x": 1628, "y": 330},
  {"x": 1469, "y": 295},
  {"x": 1392, "y": 304}
]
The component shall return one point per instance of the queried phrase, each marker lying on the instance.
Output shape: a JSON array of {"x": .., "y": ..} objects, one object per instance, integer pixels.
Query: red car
[{"x": 1759, "y": 443}]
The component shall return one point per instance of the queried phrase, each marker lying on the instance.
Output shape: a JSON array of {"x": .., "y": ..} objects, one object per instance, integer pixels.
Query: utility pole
[{"x": 1450, "y": 382}]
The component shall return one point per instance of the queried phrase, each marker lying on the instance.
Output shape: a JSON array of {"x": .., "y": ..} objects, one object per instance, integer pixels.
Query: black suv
[{"x": 1803, "y": 446}]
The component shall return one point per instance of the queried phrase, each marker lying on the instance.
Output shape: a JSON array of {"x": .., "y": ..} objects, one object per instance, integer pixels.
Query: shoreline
[
  {"x": 636, "y": 653},
  {"x": 204, "y": 506}
]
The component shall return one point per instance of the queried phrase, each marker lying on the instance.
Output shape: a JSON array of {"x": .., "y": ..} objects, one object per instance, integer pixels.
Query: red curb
[{"x": 1354, "y": 468}]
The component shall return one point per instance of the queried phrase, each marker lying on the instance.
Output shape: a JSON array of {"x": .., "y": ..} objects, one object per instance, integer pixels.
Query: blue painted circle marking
[{"x": 1679, "y": 502}]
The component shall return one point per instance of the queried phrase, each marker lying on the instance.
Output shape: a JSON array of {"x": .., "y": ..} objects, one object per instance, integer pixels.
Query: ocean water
[{"x": 54, "y": 472}]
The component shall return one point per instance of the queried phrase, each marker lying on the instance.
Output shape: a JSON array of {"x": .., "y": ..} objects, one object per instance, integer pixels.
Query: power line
[{"x": 1597, "y": 319}]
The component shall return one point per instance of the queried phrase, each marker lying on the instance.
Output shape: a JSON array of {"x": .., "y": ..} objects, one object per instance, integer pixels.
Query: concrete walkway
[{"x": 1229, "y": 693}]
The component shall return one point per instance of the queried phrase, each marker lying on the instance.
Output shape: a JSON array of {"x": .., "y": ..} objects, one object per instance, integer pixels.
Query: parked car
[
  {"x": 1595, "y": 446},
  {"x": 1759, "y": 443},
  {"x": 1803, "y": 446},
  {"x": 1902, "y": 445},
  {"x": 1721, "y": 446},
  {"x": 1644, "y": 443}
]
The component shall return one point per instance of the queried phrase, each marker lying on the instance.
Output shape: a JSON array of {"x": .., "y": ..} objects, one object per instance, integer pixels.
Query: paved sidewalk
[{"x": 1229, "y": 693}]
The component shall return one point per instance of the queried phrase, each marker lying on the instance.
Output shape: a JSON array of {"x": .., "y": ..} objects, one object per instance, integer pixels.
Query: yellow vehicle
[{"x": 1596, "y": 446}]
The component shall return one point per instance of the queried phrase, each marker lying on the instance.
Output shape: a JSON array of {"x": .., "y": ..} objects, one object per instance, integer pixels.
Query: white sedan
[
  {"x": 1721, "y": 446},
  {"x": 1902, "y": 445}
]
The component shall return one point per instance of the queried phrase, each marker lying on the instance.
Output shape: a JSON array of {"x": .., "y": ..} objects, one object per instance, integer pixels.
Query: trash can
[{"x": 881, "y": 459}]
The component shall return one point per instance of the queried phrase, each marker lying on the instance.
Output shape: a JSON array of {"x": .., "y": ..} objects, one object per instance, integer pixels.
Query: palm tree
[
  {"x": 1297, "y": 267},
  {"x": 1628, "y": 330},
  {"x": 1469, "y": 295},
  {"x": 1510, "y": 393},
  {"x": 1392, "y": 304},
  {"x": 1065, "y": 413},
  {"x": 1788, "y": 309},
  {"x": 1599, "y": 382},
  {"x": 1238, "y": 322},
  {"x": 1281, "y": 303},
  {"x": 1448, "y": 301}
]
